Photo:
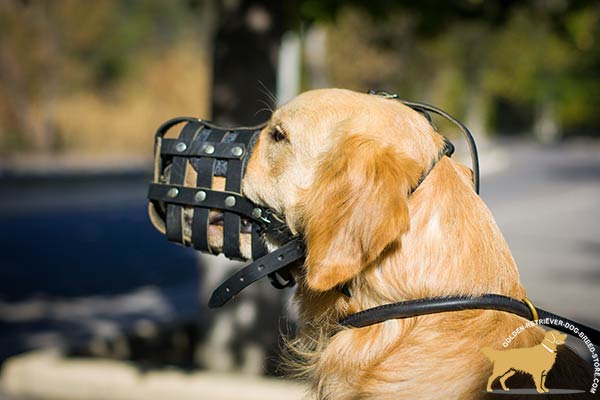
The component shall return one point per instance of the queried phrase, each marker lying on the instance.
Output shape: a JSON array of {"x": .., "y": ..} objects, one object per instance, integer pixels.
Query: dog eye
[{"x": 277, "y": 134}]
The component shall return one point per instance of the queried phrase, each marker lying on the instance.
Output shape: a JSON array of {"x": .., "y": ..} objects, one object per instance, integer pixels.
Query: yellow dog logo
[{"x": 535, "y": 361}]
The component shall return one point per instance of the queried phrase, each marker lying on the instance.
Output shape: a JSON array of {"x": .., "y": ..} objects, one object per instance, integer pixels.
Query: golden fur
[{"x": 341, "y": 176}]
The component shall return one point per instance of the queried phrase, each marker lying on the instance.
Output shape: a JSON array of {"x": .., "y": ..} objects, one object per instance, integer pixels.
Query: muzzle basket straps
[{"x": 183, "y": 200}]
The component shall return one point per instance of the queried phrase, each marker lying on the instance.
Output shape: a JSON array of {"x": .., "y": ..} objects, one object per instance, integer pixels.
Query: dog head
[{"x": 339, "y": 166}]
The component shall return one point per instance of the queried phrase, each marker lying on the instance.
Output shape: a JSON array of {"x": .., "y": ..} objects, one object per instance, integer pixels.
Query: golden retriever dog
[
  {"x": 340, "y": 166},
  {"x": 536, "y": 361}
]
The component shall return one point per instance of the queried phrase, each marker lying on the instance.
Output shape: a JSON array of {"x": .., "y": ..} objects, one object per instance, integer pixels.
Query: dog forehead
[
  {"x": 317, "y": 113},
  {"x": 326, "y": 103},
  {"x": 318, "y": 118},
  {"x": 321, "y": 96}
]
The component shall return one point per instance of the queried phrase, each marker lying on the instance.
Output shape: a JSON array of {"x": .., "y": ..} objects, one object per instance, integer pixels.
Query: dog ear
[{"x": 356, "y": 208}]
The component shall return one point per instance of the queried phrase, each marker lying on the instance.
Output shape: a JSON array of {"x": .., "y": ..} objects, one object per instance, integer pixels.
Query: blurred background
[{"x": 83, "y": 86}]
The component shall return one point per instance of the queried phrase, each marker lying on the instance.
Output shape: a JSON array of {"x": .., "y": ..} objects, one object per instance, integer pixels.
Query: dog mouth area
[
  {"x": 217, "y": 218},
  {"x": 215, "y": 231}
]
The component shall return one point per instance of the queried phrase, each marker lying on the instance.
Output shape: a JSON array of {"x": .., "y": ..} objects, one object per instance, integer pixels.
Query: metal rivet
[
  {"x": 200, "y": 195},
  {"x": 237, "y": 151},
  {"x": 180, "y": 147},
  {"x": 230, "y": 201},
  {"x": 173, "y": 192},
  {"x": 241, "y": 279},
  {"x": 209, "y": 149},
  {"x": 257, "y": 213}
]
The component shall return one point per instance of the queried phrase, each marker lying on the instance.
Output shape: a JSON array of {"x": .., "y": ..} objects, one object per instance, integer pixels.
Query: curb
[{"x": 47, "y": 375}]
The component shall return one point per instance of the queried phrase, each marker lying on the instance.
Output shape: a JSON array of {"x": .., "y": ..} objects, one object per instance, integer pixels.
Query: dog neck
[
  {"x": 450, "y": 227},
  {"x": 452, "y": 235}
]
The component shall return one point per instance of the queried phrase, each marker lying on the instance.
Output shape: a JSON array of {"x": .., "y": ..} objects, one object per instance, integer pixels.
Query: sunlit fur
[{"x": 342, "y": 178}]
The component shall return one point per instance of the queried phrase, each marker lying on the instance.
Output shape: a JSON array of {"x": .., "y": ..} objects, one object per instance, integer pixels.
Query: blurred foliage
[
  {"x": 100, "y": 76},
  {"x": 64, "y": 64},
  {"x": 515, "y": 65}
]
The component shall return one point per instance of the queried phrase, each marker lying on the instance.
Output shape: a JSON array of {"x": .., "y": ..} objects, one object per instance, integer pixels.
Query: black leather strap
[
  {"x": 433, "y": 305},
  {"x": 178, "y": 147},
  {"x": 204, "y": 177},
  {"x": 214, "y": 198},
  {"x": 174, "y": 214},
  {"x": 232, "y": 222},
  {"x": 200, "y": 220},
  {"x": 559, "y": 322},
  {"x": 447, "y": 150},
  {"x": 259, "y": 248},
  {"x": 272, "y": 262}
]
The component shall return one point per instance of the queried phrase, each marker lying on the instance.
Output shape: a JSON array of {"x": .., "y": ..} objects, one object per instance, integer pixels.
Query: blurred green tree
[{"x": 502, "y": 65}]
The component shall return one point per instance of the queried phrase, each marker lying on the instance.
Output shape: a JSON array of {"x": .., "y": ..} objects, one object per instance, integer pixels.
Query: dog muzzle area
[{"x": 196, "y": 200}]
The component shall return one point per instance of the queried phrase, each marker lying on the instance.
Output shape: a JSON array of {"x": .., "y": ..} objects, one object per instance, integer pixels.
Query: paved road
[
  {"x": 546, "y": 201},
  {"x": 79, "y": 255}
]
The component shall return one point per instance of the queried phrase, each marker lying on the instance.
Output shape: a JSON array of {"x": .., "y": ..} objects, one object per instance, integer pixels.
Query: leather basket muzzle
[{"x": 182, "y": 195}]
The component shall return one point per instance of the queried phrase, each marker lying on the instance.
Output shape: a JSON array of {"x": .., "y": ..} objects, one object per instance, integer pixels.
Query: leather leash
[{"x": 434, "y": 305}]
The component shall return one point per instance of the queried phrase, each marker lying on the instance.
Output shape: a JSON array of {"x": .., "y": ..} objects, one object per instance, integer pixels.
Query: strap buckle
[
  {"x": 532, "y": 309},
  {"x": 383, "y": 93}
]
